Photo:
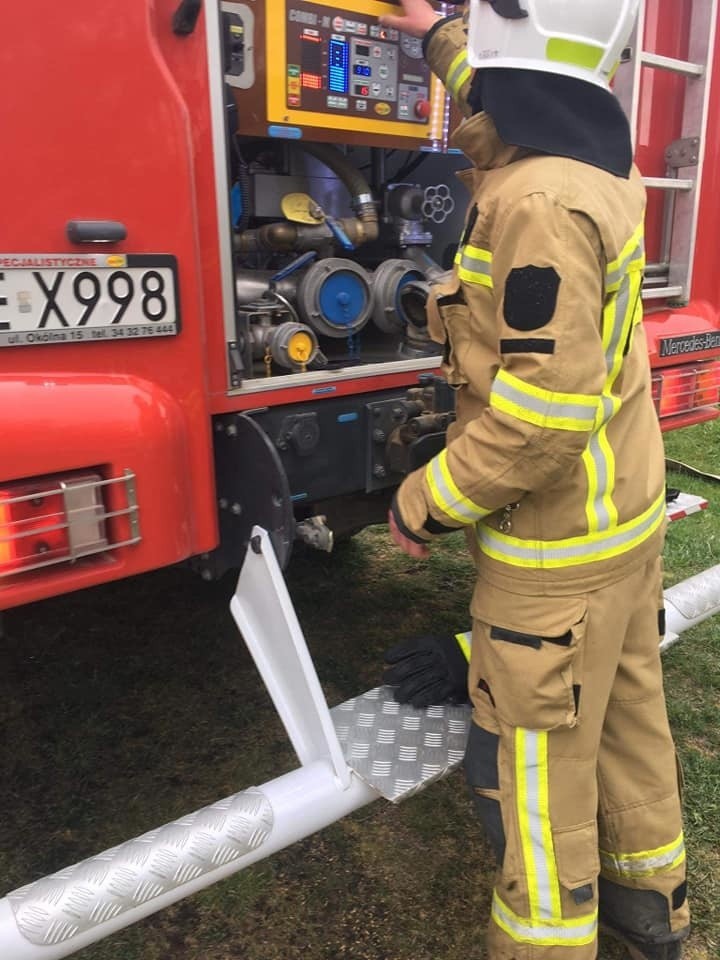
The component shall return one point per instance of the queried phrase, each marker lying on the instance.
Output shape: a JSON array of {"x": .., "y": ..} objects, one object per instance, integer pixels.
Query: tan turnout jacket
[{"x": 555, "y": 464}]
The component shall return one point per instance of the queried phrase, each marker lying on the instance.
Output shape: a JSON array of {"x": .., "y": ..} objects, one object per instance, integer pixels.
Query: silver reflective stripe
[
  {"x": 634, "y": 865},
  {"x": 474, "y": 269},
  {"x": 602, "y": 513},
  {"x": 447, "y": 498},
  {"x": 531, "y": 752},
  {"x": 563, "y": 932},
  {"x": 458, "y": 73},
  {"x": 544, "y": 408},
  {"x": 596, "y": 455},
  {"x": 623, "y": 300}
]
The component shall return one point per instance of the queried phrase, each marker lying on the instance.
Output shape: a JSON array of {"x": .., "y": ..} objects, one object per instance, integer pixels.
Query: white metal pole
[
  {"x": 59, "y": 915},
  {"x": 690, "y": 602}
]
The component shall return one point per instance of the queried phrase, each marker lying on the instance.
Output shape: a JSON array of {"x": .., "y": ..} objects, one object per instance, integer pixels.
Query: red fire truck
[{"x": 220, "y": 221}]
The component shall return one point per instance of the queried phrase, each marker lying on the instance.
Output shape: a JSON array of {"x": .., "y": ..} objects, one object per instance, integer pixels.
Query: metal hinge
[{"x": 683, "y": 153}]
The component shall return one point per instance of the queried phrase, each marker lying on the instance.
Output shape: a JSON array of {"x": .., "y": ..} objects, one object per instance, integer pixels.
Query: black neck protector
[{"x": 555, "y": 115}]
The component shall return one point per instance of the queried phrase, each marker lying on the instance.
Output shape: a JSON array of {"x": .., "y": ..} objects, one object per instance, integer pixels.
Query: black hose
[
  {"x": 338, "y": 163},
  {"x": 291, "y": 237}
]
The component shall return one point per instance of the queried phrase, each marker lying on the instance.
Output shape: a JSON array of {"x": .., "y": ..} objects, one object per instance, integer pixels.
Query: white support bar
[
  {"x": 60, "y": 914},
  {"x": 690, "y": 602},
  {"x": 266, "y": 618},
  {"x": 670, "y": 63}
]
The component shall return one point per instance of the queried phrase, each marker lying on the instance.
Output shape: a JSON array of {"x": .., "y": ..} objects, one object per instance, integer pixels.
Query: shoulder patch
[{"x": 530, "y": 297}]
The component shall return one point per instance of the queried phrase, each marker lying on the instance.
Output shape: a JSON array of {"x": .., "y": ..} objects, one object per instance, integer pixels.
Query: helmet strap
[{"x": 509, "y": 9}]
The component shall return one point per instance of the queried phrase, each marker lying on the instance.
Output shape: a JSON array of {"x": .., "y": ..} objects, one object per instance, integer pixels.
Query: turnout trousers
[{"x": 573, "y": 769}]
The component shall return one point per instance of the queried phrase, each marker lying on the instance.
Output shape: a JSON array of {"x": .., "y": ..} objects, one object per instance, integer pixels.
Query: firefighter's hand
[
  {"x": 427, "y": 671},
  {"x": 418, "y": 17},
  {"x": 411, "y": 547}
]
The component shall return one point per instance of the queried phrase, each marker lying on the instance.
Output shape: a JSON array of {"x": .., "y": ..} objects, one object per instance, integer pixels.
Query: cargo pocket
[
  {"x": 449, "y": 324},
  {"x": 578, "y": 860},
  {"x": 532, "y": 658}
]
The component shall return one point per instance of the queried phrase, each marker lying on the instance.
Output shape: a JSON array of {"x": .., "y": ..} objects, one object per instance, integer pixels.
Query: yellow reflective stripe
[
  {"x": 458, "y": 74},
  {"x": 531, "y": 777},
  {"x": 523, "y": 825},
  {"x": 623, "y": 316},
  {"x": 447, "y": 495},
  {"x": 474, "y": 265},
  {"x": 636, "y": 871},
  {"x": 574, "y": 932},
  {"x": 631, "y": 258},
  {"x": 544, "y": 408},
  {"x": 464, "y": 641},
  {"x": 646, "y": 862},
  {"x": 590, "y": 548},
  {"x": 478, "y": 253},
  {"x": 599, "y": 461},
  {"x": 619, "y": 317}
]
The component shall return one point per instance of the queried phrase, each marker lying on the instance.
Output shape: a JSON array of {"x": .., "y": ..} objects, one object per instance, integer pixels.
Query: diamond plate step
[{"x": 397, "y": 749}]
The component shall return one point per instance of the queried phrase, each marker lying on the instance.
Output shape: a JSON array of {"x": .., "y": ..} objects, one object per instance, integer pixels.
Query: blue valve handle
[
  {"x": 339, "y": 234},
  {"x": 297, "y": 264}
]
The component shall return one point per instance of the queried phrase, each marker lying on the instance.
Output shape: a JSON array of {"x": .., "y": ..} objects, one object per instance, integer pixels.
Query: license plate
[{"x": 65, "y": 298}]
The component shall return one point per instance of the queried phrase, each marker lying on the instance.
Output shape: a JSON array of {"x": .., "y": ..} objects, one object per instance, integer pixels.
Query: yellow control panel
[{"x": 333, "y": 70}]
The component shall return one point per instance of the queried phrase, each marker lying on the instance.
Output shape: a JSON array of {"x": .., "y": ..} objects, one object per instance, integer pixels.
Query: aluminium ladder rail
[{"x": 671, "y": 279}]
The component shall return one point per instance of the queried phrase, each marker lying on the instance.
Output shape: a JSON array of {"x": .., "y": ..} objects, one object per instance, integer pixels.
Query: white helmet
[{"x": 575, "y": 38}]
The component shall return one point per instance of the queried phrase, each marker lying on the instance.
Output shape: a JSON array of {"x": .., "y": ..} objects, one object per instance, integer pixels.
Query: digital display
[
  {"x": 311, "y": 73},
  {"x": 334, "y": 70},
  {"x": 338, "y": 59}
]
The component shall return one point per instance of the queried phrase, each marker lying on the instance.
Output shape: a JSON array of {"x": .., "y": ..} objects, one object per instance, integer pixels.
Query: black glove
[{"x": 426, "y": 671}]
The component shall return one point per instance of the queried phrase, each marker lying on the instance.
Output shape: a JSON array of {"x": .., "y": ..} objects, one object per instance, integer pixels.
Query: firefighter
[{"x": 555, "y": 469}]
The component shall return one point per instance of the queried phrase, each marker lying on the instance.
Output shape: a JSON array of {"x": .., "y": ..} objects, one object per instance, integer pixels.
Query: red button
[{"x": 422, "y": 109}]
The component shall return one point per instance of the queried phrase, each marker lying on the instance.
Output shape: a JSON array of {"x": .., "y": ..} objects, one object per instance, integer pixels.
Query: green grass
[
  {"x": 692, "y": 681},
  {"x": 126, "y": 706}
]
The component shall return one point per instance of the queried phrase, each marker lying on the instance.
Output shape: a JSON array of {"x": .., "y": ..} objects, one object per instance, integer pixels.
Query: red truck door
[{"x": 109, "y": 267}]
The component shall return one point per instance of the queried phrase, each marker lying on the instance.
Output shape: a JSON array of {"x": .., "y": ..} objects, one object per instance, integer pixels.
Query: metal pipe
[
  {"x": 657, "y": 269},
  {"x": 286, "y": 237},
  {"x": 365, "y": 228},
  {"x": 252, "y": 285},
  {"x": 431, "y": 268},
  {"x": 59, "y": 915},
  {"x": 690, "y": 602}
]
